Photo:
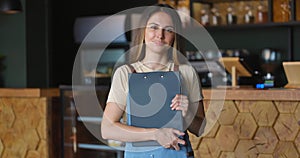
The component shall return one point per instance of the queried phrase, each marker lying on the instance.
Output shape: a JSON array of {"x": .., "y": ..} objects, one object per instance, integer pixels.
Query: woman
[{"x": 157, "y": 44}]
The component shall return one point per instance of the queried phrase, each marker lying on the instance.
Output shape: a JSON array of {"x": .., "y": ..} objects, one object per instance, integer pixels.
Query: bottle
[
  {"x": 262, "y": 14},
  {"x": 285, "y": 11},
  {"x": 248, "y": 17},
  {"x": 184, "y": 12},
  {"x": 231, "y": 18},
  {"x": 216, "y": 18},
  {"x": 204, "y": 18}
]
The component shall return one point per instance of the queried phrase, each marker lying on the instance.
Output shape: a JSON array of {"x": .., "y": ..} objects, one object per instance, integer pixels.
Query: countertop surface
[
  {"x": 208, "y": 93},
  {"x": 29, "y": 92},
  {"x": 252, "y": 94}
]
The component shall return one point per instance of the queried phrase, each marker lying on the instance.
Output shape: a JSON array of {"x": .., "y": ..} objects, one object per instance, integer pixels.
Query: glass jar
[
  {"x": 204, "y": 17},
  {"x": 248, "y": 17},
  {"x": 262, "y": 14},
  {"x": 231, "y": 18},
  {"x": 216, "y": 18},
  {"x": 285, "y": 11}
]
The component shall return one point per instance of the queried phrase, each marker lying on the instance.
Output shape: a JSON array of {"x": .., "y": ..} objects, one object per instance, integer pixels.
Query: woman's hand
[
  {"x": 169, "y": 138},
  {"x": 180, "y": 102}
]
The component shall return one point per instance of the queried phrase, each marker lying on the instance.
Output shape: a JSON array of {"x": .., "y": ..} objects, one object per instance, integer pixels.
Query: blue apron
[{"x": 159, "y": 151}]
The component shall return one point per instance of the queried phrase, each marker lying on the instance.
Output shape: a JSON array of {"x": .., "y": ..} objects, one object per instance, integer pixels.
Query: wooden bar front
[
  {"x": 27, "y": 118},
  {"x": 252, "y": 123}
]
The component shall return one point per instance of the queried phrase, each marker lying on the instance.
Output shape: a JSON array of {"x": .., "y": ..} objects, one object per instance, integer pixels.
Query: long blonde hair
[{"x": 138, "y": 44}]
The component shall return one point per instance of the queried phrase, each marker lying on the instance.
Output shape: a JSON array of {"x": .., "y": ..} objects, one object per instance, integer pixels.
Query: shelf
[
  {"x": 98, "y": 75},
  {"x": 96, "y": 120},
  {"x": 247, "y": 26},
  {"x": 207, "y": 66},
  {"x": 104, "y": 45},
  {"x": 94, "y": 74},
  {"x": 218, "y": 1}
]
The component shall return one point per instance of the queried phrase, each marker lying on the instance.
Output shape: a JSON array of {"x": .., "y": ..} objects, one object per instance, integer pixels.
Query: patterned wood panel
[
  {"x": 297, "y": 114},
  {"x": 264, "y": 113},
  {"x": 213, "y": 131},
  {"x": 265, "y": 140},
  {"x": 1, "y": 147},
  {"x": 208, "y": 148},
  {"x": 246, "y": 148},
  {"x": 225, "y": 154},
  {"x": 226, "y": 138},
  {"x": 286, "y": 127},
  {"x": 286, "y": 107},
  {"x": 244, "y": 125},
  {"x": 297, "y": 142},
  {"x": 260, "y": 129},
  {"x": 23, "y": 124},
  {"x": 286, "y": 149},
  {"x": 228, "y": 113},
  {"x": 265, "y": 156}
]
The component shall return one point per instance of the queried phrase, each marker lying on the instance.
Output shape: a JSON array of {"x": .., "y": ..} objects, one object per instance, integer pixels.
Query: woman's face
[{"x": 159, "y": 33}]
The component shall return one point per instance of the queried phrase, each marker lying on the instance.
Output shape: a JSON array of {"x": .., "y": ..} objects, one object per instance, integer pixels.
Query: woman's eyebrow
[{"x": 153, "y": 23}]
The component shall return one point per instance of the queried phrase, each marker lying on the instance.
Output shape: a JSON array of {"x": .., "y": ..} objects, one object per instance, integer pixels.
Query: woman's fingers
[
  {"x": 180, "y": 102},
  {"x": 167, "y": 146},
  {"x": 179, "y": 97},
  {"x": 178, "y": 133},
  {"x": 178, "y": 140},
  {"x": 175, "y": 144},
  {"x": 169, "y": 138}
]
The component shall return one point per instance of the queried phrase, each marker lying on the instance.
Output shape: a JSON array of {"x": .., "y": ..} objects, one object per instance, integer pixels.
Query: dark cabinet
[{"x": 81, "y": 123}]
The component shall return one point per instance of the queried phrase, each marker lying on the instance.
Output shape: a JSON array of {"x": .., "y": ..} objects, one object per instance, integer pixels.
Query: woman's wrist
[{"x": 152, "y": 133}]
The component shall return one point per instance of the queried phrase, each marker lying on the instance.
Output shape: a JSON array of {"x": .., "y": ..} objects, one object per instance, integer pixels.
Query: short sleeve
[
  {"x": 119, "y": 86},
  {"x": 191, "y": 83}
]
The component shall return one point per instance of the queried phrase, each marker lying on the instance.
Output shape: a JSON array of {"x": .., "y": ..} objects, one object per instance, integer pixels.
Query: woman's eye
[
  {"x": 153, "y": 27},
  {"x": 169, "y": 30}
]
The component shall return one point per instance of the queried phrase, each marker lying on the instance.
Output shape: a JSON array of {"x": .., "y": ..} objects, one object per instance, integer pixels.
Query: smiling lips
[{"x": 159, "y": 43}]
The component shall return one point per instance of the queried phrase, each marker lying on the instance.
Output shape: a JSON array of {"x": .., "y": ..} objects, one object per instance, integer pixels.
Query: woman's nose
[{"x": 160, "y": 33}]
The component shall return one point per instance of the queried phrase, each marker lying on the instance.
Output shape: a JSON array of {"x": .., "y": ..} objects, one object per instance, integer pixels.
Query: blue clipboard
[{"x": 149, "y": 99}]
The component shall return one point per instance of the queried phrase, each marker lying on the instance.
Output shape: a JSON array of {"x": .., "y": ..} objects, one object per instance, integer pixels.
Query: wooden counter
[
  {"x": 26, "y": 117},
  {"x": 279, "y": 94},
  {"x": 251, "y": 123},
  {"x": 28, "y": 92}
]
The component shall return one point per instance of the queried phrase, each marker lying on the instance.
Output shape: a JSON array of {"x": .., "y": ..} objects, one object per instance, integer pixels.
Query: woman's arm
[{"x": 112, "y": 128}]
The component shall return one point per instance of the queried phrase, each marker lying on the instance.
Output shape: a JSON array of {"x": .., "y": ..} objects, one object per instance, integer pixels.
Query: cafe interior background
[{"x": 39, "y": 45}]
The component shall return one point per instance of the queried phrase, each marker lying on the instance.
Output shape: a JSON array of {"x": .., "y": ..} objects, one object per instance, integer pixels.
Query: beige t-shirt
[{"x": 119, "y": 87}]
